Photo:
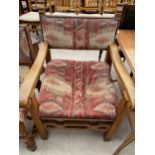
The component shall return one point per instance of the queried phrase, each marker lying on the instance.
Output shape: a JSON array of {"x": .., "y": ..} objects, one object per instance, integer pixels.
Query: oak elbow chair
[
  {"x": 27, "y": 56},
  {"x": 76, "y": 94}
]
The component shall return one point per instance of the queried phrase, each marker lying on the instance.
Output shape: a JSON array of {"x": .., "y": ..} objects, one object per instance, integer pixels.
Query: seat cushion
[
  {"x": 75, "y": 89},
  {"x": 30, "y": 17}
]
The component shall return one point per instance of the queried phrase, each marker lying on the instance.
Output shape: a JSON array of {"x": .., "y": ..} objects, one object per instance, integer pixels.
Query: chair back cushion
[
  {"x": 78, "y": 32},
  {"x": 24, "y": 48}
]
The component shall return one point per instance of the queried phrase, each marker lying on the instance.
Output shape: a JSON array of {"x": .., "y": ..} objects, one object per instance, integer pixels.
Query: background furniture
[
  {"x": 24, "y": 6},
  {"x": 125, "y": 14},
  {"x": 26, "y": 58},
  {"x": 89, "y": 6},
  {"x": 67, "y": 5},
  {"x": 32, "y": 18},
  {"x": 128, "y": 17},
  {"x": 41, "y": 5},
  {"x": 126, "y": 40}
]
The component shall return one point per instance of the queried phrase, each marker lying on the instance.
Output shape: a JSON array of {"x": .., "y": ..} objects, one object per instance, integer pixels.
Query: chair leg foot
[
  {"x": 28, "y": 139},
  {"x": 106, "y": 138},
  {"x": 45, "y": 136},
  {"x": 30, "y": 144}
]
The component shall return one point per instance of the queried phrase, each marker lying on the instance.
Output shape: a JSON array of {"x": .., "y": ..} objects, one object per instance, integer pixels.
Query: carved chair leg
[
  {"x": 34, "y": 113},
  {"x": 128, "y": 140},
  {"x": 122, "y": 110},
  {"x": 28, "y": 139}
]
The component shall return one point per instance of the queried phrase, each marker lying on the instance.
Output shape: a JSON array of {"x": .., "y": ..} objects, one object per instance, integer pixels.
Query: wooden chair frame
[
  {"x": 28, "y": 138},
  {"x": 27, "y": 98}
]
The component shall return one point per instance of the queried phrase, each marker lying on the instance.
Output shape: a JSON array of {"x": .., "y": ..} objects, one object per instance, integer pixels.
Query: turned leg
[
  {"x": 33, "y": 109},
  {"x": 120, "y": 116},
  {"x": 128, "y": 140},
  {"x": 28, "y": 140}
]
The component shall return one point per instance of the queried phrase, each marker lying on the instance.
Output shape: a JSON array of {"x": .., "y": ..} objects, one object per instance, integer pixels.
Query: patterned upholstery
[
  {"x": 78, "y": 32},
  {"x": 24, "y": 50},
  {"x": 76, "y": 89}
]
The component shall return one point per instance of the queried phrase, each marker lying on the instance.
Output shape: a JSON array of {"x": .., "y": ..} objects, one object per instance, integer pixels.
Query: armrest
[
  {"x": 125, "y": 79},
  {"x": 31, "y": 79}
]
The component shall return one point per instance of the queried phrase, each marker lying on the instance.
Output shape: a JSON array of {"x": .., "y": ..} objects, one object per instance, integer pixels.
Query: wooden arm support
[
  {"x": 32, "y": 77},
  {"x": 125, "y": 79}
]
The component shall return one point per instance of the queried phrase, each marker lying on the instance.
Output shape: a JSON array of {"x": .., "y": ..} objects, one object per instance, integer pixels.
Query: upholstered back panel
[
  {"x": 24, "y": 48},
  {"x": 78, "y": 32}
]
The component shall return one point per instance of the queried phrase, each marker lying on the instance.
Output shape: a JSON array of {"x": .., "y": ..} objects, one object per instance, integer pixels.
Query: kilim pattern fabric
[
  {"x": 75, "y": 89},
  {"x": 78, "y": 32},
  {"x": 24, "y": 50}
]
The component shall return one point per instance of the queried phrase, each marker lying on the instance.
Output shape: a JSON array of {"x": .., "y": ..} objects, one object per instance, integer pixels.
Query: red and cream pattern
[
  {"x": 75, "y": 89},
  {"x": 24, "y": 50},
  {"x": 78, "y": 32}
]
